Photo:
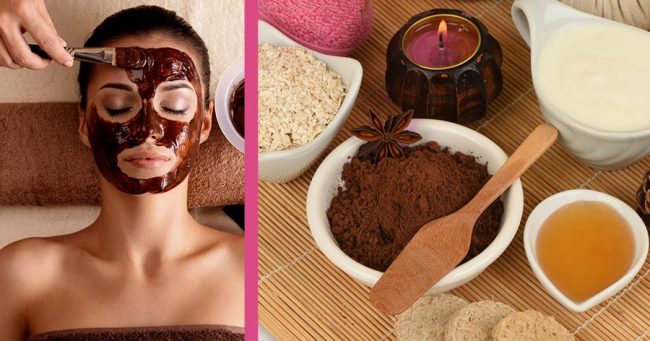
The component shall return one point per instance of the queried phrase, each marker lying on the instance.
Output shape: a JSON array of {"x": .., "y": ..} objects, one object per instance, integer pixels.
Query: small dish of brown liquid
[
  {"x": 237, "y": 108},
  {"x": 584, "y": 247}
]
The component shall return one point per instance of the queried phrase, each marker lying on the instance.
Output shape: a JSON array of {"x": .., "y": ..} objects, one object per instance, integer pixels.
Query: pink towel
[{"x": 329, "y": 26}]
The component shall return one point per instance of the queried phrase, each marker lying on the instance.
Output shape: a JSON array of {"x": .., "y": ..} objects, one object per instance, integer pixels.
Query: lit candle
[
  {"x": 441, "y": 41},
  {"x": 444, "y": 64}
]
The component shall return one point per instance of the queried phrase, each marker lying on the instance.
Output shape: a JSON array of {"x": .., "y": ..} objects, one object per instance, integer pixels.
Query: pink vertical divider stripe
[{"x": 250, "y": 166}]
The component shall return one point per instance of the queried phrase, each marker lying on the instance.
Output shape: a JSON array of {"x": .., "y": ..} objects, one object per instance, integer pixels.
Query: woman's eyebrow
[
  {"x": 174, "y": 86},
  {"x": 120, "y": 86}
]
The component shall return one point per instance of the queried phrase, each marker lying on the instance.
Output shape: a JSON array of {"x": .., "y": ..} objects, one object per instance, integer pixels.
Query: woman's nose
[
  {"x": 156, "y": 132},
  {"x": 153, "y": 125}
]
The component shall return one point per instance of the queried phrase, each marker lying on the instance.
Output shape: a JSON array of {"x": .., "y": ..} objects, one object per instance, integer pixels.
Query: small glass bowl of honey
[{"x": 584, "y": 246}]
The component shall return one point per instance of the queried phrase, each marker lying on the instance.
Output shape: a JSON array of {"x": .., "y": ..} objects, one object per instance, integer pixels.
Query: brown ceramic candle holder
[{"x": 458, "y": 92}]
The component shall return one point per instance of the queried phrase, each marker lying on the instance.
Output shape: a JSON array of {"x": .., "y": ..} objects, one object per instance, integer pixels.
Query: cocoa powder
[{"x": 383, "y": 204}]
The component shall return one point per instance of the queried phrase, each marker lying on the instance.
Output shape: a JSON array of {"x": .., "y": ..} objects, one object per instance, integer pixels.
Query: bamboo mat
[{"x": 302, "y": 296}]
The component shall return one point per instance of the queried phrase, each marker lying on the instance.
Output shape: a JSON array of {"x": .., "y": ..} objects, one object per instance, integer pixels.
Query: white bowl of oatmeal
[{"x": 282, "y": 162}]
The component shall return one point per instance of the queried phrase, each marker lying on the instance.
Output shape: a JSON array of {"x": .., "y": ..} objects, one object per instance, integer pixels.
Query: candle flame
[
  {"x": 442, "y": 33},
  {"x": 442, "y": 29}
]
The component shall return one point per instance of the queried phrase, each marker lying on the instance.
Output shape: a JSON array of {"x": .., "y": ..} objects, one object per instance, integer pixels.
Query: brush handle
[{"x": 41, "y": 53}]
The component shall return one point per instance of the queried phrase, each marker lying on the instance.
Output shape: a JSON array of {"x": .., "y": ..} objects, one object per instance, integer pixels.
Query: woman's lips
[{"x": 147, "y": 159}]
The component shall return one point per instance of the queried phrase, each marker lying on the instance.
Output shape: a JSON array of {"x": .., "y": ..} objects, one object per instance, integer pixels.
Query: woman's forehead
[
  {"x": 103, "y": 75},
  {"x": 153, "y": 41},
  {"x": 107, "y": 74}
]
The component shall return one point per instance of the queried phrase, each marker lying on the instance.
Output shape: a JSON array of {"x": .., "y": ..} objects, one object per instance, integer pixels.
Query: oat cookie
[
  {"x": 427, "y": 317},
  {"x": 530, "y": 325},
  {"x": 476, "y": 321}
]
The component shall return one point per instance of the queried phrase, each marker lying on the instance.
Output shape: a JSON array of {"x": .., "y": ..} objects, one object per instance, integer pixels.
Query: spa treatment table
[{"x": 304, "y": 296}]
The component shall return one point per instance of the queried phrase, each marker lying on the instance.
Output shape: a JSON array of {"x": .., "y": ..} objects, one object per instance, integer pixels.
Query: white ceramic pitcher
[{"x": 536, "y": 21}]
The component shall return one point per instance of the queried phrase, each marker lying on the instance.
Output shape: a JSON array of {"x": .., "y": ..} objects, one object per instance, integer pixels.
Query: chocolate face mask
[{"x": 156, "y": 140}]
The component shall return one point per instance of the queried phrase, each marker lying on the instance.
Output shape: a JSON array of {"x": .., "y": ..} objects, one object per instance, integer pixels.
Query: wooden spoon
[{"x": 441, "y": 244}]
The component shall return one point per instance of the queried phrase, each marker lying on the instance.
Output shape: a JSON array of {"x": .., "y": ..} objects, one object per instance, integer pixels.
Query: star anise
[
  {"x": 384, "y": 139},
  {"x": 643, "y": 199}
]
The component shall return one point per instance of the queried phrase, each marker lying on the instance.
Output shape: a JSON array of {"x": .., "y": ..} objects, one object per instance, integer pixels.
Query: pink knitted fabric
[{"x": 329, "y": 26}]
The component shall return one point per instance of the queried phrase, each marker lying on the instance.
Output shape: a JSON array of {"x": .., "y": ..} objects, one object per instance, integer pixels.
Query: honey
[{"x": 584, "y": 247}]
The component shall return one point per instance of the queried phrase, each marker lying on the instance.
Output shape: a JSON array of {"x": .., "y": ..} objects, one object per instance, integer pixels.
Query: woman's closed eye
[
  {"x": 175, "y": 100},
  {"x": 174, "y": 111},
  {"x": 118, "y": 111}
]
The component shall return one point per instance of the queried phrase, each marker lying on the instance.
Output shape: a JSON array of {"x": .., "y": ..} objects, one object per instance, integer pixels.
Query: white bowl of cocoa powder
[{"x": 361, "y": 231}]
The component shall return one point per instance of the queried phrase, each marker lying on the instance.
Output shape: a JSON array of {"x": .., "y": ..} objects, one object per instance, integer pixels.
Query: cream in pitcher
[
  {"x": 591, "y": 79},
  {"x": 585, "y": 71}
]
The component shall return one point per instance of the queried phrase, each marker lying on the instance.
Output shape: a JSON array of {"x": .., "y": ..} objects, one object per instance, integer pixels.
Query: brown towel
[
  {"x": 42, "y": 161},
  {"x": 171, "y": 333}
]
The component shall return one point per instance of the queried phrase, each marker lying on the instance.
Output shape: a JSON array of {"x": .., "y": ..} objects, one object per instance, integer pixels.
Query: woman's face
[{"x": 145, "y": 122}]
